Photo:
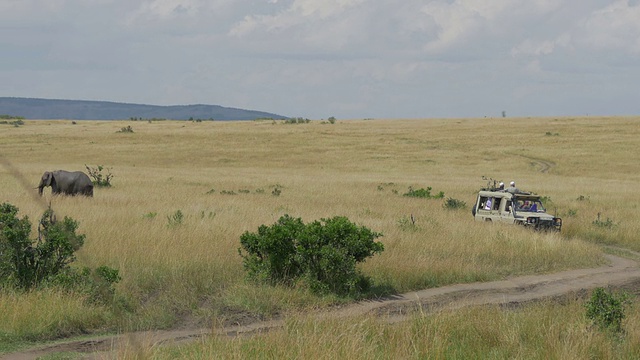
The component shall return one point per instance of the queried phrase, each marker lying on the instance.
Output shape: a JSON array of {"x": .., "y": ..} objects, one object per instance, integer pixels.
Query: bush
[
  {"x": 126, "y": 129},
  {"x": 423, "y": 193},
  {"x": 27, "y": 264},
  {"x": 606, "y": 309},
  {"x": 270, "y": 253},
  {"x": 97, "y": 283},
  {"x": 454, "y": 204},
  {"x": 604, "y": 224},
  {"x": 175, "y": 219},
  {"x": 323, "y": 254},
  {"x": 297, "y": 120},
  {"x": 100, "y": 179}
]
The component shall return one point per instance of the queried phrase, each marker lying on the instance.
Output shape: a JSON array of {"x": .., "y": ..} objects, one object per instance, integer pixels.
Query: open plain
[{"x": 226, "y": 178}]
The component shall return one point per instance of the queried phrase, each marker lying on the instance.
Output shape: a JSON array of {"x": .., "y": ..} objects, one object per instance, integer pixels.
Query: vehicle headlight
[{"x": 532, "y": 220}]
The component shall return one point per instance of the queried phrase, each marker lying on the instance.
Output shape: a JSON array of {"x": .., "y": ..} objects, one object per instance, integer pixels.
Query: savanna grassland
[{"x": 225, "y": 178}]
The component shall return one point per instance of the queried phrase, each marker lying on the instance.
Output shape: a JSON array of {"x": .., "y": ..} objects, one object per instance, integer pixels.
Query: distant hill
[{"x": 105, "y": 110}]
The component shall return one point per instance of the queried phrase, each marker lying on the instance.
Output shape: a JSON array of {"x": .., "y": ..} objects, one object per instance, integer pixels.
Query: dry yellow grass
[
  {"x": 541, "y": 331},
  {"x": 359, "y": 169}
]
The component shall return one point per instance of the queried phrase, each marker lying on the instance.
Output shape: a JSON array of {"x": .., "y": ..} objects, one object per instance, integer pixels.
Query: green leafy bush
[
  {"x": 323, "y": 254},
  {"x": 606, "y": 309},
  {"x": 454, "y": 204},
  {"x": 175, "y": 219},
  {"x": 297, "y": 120},
  {"x": 423, "y": 193},
  {"x": 604, "y": 224},
  {"x": 270, "y": 254},
  {"x": 98, "y": 178},
  {"x": 97, "y": 283},
  {"x": 407, "y": 223},
  {"x": 27, "y": 264}
]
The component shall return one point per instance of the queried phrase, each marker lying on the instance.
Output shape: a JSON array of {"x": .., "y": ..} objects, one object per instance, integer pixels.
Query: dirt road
[{"x": 620, "y": 273}]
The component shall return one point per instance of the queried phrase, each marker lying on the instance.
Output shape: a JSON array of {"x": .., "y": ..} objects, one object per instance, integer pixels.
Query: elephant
[{"x": 66, "y": 182}]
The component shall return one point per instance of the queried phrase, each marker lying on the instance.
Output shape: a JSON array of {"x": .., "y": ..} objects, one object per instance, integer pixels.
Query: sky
[{"x": 315, "y": 59}]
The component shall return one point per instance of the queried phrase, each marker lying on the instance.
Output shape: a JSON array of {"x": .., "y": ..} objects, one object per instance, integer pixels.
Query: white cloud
[
  {"x": 300, "y": 12},
  {"x": 165, "y": 9},
  {"x": 614, "y": 27},
  {"x": 530, "y": 47},
  {"x": 301, "y": 57}
]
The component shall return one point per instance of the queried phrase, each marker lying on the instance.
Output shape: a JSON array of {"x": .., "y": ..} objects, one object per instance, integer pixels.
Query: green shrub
[
  {"x": 454, "y": 204},
  {"x": 97, "y": 283},
  {"x": 175, "y": 219},
  {"x": 329, "y": 252},
  {"x": 277, "y": 190},
  {"x": 150, "y": 215},
  {"x": 100, "y": 179},
  {"x": 423, "y": 193},
  {"x": 606, "y": 309},
  {"x": 604, "y": 224},
  {"x": 297, "y": 120},
  {"x": 407, "y": 223},
  {"x": 270, "y": 254},
  {"x": 323, "y": 254},
  {"x": 27, "y": 264},
  {"x": 11, "y": 117}
]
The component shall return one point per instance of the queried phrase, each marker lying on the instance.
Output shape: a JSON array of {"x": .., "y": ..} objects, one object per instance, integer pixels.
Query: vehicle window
[
  {"x": 485, "y": 203},
  {"x": 496, "y": 204},
  {"x": 529, "y": 206}
]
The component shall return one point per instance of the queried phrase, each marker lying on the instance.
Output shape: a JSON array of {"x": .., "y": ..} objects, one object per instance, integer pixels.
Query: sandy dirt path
[{"x": 620, "y": 273}]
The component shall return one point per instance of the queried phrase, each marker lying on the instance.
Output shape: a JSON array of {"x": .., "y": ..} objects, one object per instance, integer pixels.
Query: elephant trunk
[{"x": 40, "y": 187}]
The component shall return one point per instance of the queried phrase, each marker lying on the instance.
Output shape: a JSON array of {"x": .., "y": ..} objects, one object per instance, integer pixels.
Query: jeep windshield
[{"x": 529, "y": 205}]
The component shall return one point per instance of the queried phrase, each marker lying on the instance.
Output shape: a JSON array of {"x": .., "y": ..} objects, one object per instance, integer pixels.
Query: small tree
[
  {"x": 26, "y": 264},
  {"x": 269, "y": 254},
  {"x": 98, "y": 178},
  {"x": 324, "y": 253},
  {"x": 329, "y": 250},
  {"x": 606, "y": 309},
  {"x": 454, "y": 204}
]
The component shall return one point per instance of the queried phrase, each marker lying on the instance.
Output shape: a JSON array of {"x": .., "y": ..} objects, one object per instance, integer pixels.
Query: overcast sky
[{"x": 322, "y": 58}]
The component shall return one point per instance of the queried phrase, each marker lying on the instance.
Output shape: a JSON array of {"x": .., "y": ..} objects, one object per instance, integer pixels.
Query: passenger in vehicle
[{"x": 487, "y": 206}]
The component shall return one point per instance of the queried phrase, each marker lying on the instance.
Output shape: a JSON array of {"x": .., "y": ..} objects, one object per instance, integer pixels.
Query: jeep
[{"x": 514, "y": 207}]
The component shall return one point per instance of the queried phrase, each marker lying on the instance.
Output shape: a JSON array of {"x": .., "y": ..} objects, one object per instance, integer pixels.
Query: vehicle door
[
  {"x": 488, "y": 208},
  {"x": 506, "y": 210}
]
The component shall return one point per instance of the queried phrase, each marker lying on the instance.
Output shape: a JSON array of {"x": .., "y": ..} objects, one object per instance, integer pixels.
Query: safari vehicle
[{"x": 514, "y": 207}]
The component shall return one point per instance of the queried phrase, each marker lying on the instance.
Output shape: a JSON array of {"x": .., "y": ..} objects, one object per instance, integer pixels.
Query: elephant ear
[{"x": 46, "y": 178}]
